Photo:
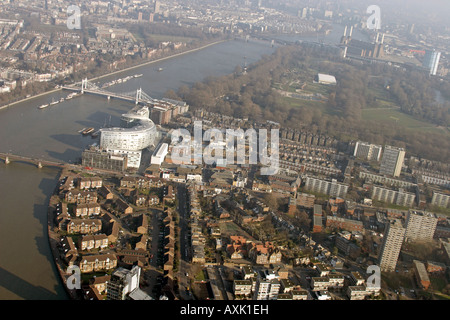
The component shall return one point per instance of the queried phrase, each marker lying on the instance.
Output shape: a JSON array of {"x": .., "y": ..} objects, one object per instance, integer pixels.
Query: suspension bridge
[{"x": 85, "y": 86}]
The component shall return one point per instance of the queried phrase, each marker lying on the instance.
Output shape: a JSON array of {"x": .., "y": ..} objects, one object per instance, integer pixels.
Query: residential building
[
  {"x": 332, "y": 188},
  {"x": 89, "y": 182},
  {"x": 347, "y": 247},
  {"x": 123, "y": 207},
  {"x": 136, "y": 133},
  {"x": 420, "y": 225},
  {"x": 344, "y": 224},
  {"x": 441, "y": 199},
  {"x": 84, "y": 226},
  {"x": 124, "y": 285},
  {"x": 317, "y": 218},
  {"x": 96, "y": 157},
  {"x": 267, "y": 286},
  {"x": 357, "y": 292},
  {"x": 431, "y": 61},
  {"x": 99, "y": 286},
  {"x": 99, "y": 262},
  {"x": 376, "y": 178},
  {"x": 392, "y": 161},
  {"x": 286, "y": 285},
  {"x": 80, "y": 197},
  {"x": 300, "y": 295},
  {"x": 305, "y": 200},
  {"x": 391, "y": 246},
  {"x": 106, "y": 193},
  {"x": 399, "y": 197},
  {"x": 242, "y": 289},
  {"x": 70, "y": 251},
  {"x": 356, "y": 279},
  {"x": 264, "y": 253},
  {"x": 320, "y": 283},
  {"x": 87, "y": 209},
  {"x": 336, "y": 281},
  {"x": 161, "y": 114},
  {"x": 367, "y": 151},
  {"x": 96, "y": 241}
]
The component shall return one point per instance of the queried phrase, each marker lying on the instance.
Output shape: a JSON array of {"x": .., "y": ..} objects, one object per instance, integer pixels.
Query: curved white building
[{"x": 136, "y": 133}]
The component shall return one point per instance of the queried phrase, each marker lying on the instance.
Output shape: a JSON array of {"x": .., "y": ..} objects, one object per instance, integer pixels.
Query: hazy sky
[{"x": 434, "y": 12}]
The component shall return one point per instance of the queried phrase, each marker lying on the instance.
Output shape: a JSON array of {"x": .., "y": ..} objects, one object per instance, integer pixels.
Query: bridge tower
[
  {"x": 7, "y": 160},
  {"x": 39, "y": 165},
  {"x": 83, "y": 84},
  {"x": 138, "y": 95}
]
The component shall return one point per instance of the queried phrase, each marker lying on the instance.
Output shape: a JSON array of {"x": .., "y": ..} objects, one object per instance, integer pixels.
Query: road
[{"x": 184, "y": 271}]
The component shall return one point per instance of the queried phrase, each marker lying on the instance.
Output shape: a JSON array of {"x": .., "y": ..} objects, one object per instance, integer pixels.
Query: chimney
[
  {"x": 345, "y": 31},
  {"x": 351, "y": 31}
]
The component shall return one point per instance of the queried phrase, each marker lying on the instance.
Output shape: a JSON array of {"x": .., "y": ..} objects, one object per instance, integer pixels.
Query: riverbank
[
  {"x": 119, "y": 71},
  {"x": 29, "y": 98},
  {"x": 54, "y": 239}
]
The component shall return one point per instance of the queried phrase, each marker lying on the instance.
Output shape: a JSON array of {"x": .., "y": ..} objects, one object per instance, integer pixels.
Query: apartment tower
[
  {"x": 420, "y": 225},
  {"x": 392, "y": 161},
  {"x": 392, "y": 244}
]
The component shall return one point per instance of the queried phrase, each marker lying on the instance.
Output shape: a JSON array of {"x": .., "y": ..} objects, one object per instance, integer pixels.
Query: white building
[
  {"x": 160, "y": 154},
  {"x": 431, "y": 61},
  {"x": 124, "y": 284},
  {"x": 326, "y": 78},
  {"x": 441, "y": 199},
  {"x": 400, "y": 197},
  {"x": 137, "y": 133},
  {"x": 267, "y": 286},
  {"x": 392, "y": 244}
]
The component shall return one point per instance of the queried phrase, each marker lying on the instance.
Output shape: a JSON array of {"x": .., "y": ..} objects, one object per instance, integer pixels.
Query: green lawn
[
  {"x": 312, "y": 104},
  {"x": 398, "y": 118}
]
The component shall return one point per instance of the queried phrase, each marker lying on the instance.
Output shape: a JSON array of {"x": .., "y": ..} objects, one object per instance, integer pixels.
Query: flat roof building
[
  {"x": 392, "y": 161},
  {"x": 392, "y": 244},
  {"x": 367, "y": 151},
  {"x": 420, "y": 225},
  {"x": 160, "y": 154}
]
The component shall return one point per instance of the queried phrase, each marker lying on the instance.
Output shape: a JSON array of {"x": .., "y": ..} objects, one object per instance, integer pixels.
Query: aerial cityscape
[{"x": 232, "y": 150}]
